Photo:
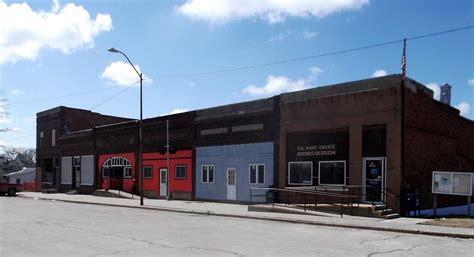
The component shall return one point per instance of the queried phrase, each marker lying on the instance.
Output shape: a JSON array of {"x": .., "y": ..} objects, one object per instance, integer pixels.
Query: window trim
[
  {"x": 74, "y": 164},
  {"x": 185, "y": 171},
  {"x": 127, "y": 167},
  {"x": 143, "y": 170},
  {"x": 256, "y": 175},
  {"x": 301, "y": 184},
  {"x": 207, "y": 178},
  {"x": 319, "y": 173},
  {"x": 103, "y": 171},
  {"x": 53, "y": 137}
]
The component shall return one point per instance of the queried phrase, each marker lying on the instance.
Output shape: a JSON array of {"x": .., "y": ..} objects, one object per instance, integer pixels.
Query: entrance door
[
  {"x": 373, "y": 173},
  {"x": 163, "y": 182},
  {"x": 231, "y": 188}
]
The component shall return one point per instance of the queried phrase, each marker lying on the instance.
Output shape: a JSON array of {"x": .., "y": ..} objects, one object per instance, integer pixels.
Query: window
[
  {"x": 116, "y": 161},
  {"x": 41, "y": 138},
  {"x": 257, "y": 173},
  {"x": 147, "y": 172},
  {"x": 127, "y": 172},
  {"x": 300, "y": 173},
  {"x": 105, "y": 172},
  {"x": 18, "y": 181},
  {"x": 207, "y": 174},
  {"x": 332, "y": 172},
  {"x": 77, "y": 161},
  {"x": 53, "y": 137},
  {"x": 180, "y": 172}
]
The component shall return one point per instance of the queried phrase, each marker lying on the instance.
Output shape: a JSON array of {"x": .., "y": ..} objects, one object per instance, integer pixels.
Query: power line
[
  {"x": 112, "y": 97},
  {"x": 316, "y": 56},
  {"x": 95, "y": 106},
  {"x": 59, "y": 97}
]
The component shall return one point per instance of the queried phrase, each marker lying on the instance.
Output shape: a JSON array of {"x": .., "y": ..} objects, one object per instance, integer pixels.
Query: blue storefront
[{"x": 226, "y": 172}]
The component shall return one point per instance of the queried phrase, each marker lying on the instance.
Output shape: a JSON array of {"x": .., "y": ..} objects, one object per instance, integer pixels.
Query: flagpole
[{"x": 402, "y": 122}]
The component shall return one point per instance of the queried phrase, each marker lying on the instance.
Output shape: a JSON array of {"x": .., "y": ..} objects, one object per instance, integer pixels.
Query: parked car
[{"x": 10, "y": 189}]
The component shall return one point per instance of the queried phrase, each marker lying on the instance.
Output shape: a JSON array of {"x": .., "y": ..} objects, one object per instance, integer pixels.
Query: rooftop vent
[{"x": 445, "y": 94}]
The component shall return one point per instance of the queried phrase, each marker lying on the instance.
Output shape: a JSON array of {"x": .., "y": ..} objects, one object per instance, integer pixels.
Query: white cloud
[
  {"x": 281, "y": 36},
  {"x": 309, "y": 34},
  {"x": 176, "y": 111},
  {"x": 123, "y": 74},
  {"x": 273, "y": 11},
  {"x": 281, "y": 84},
  {"x": 379, "y": 73},
  {"x": 276, "y": 85},
  {"x": 470, "y": 82},
  {"x": 436, "y": 89},
  {"x": 25, "y": 32},
  {"x": 464, "y": 108},
  {"x": 17, "y": 92},
  {"x": 3, "y": 112}
]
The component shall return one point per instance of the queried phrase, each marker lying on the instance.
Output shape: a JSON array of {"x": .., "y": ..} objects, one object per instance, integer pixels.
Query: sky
[{"x": 54, "y": 53}]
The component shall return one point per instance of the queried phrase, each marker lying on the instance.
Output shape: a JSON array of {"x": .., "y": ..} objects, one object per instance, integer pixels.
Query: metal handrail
[{"x": 346, "y": 199}]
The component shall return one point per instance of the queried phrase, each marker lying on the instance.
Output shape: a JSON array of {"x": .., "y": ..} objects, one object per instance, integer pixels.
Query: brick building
[{"x": 367, "y": 135}]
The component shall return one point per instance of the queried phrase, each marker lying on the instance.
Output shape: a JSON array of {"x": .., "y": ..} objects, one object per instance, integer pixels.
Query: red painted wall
[
  {"x": 127, "y": 182},
  {"x": 157, "y": 161}
]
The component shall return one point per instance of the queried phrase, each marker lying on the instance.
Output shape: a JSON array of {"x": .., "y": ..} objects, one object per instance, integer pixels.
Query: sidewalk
[{"x": 400, "y": 225}]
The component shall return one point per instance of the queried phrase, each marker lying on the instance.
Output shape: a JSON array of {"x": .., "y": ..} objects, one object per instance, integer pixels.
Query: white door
[
  {"x": 163, "y": 182},
  {"x": 231, "y": 188},
  {"x": 373, "y": 173}
]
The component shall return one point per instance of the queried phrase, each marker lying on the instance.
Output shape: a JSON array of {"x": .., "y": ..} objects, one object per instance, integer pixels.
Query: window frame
[
  {"x": 319, "y": 172},
  {"x": 300, "y": 184},
  {"x": 143, "y": 170},
  {"x": 124, "y": 171},
  {"x": 103, "y": 171},
  {"x": 207, "y": 177},
  {"x": 185, "y": 172},
  {"x": 256, "y": 173}
]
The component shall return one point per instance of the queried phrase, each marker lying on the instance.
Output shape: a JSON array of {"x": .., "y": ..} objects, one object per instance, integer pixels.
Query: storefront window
[
  {"x": 180, "y": 172},
  {"x": 332, "y": 172},
  {"x": 300, "y": 173},
  {"x": 257, "y": 173}
]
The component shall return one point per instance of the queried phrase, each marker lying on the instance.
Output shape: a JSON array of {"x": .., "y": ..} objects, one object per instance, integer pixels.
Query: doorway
[
  {"x": 373, "y": 179},
  {"x": 231, "y": 188},
  {"x": 163, "y": 182}
]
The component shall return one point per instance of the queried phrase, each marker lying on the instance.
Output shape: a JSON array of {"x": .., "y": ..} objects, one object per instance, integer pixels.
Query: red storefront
[
  {"x": 155, "y": 167},
  {"x": 117, "y": 171}
]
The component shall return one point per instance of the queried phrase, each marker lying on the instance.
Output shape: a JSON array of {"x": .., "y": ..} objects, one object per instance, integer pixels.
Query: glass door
[{"x": 374, "y": 179}]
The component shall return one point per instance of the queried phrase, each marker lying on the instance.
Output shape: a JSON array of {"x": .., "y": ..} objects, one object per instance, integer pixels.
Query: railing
[
  {"x": 304, "y": 197},
  {"x": 335, "y": 195}
]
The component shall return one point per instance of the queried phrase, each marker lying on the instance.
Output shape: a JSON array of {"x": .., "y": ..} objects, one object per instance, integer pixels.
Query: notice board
[{"x": 452, "y": 183}]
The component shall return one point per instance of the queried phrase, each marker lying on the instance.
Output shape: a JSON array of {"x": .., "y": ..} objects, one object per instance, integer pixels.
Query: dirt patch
[{"x": 452, "y": 222}]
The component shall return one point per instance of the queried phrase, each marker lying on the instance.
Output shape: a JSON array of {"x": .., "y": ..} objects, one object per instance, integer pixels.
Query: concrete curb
[{"x": 277, "y": 219}]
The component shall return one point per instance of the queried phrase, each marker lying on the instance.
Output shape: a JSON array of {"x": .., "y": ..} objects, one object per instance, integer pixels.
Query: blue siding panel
[{"x": 233, "y": 156}]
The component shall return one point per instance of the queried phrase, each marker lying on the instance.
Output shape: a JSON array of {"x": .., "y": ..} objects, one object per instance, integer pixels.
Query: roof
[{"x": 23, "y": 171}]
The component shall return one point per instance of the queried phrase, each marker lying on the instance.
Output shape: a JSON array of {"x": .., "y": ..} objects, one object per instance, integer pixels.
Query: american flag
[{"x": 404, "y": 60}]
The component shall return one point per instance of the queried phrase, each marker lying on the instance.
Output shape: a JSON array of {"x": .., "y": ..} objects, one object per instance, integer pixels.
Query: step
[
  {"x": 391, "y": 216},
  {"x": 71, "y": 192}
]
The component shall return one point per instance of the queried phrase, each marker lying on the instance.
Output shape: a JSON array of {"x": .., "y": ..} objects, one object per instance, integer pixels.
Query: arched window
[{"x": 118, "y": 167}]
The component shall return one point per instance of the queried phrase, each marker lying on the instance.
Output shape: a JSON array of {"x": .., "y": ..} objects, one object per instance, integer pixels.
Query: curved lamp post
[{"x": 140, "y": 169}]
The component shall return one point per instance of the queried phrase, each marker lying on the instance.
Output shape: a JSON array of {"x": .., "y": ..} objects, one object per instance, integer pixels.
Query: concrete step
[
  {"x": 72, "y": 192},
  {"x": 49, "y": 191},
  {"x": 114, "y": 194},
  {"x": 391, "y": 216}
]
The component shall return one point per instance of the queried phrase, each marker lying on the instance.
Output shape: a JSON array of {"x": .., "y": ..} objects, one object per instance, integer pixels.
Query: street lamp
[{"x": 140, "y": 169}]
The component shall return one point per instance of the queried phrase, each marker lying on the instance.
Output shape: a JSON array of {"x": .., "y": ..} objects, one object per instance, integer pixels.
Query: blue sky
[{"x": 51, "y": 49}]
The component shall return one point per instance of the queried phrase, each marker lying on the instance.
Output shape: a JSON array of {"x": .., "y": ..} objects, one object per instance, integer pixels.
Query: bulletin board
[{"x": 452, "y": 183}]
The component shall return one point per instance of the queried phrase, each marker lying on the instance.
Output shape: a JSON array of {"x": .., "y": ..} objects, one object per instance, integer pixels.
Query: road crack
[{"x": 395, "y": 250}]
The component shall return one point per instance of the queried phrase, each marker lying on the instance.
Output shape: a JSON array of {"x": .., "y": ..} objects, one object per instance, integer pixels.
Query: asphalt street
[{"x": 31, "y": 227}]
